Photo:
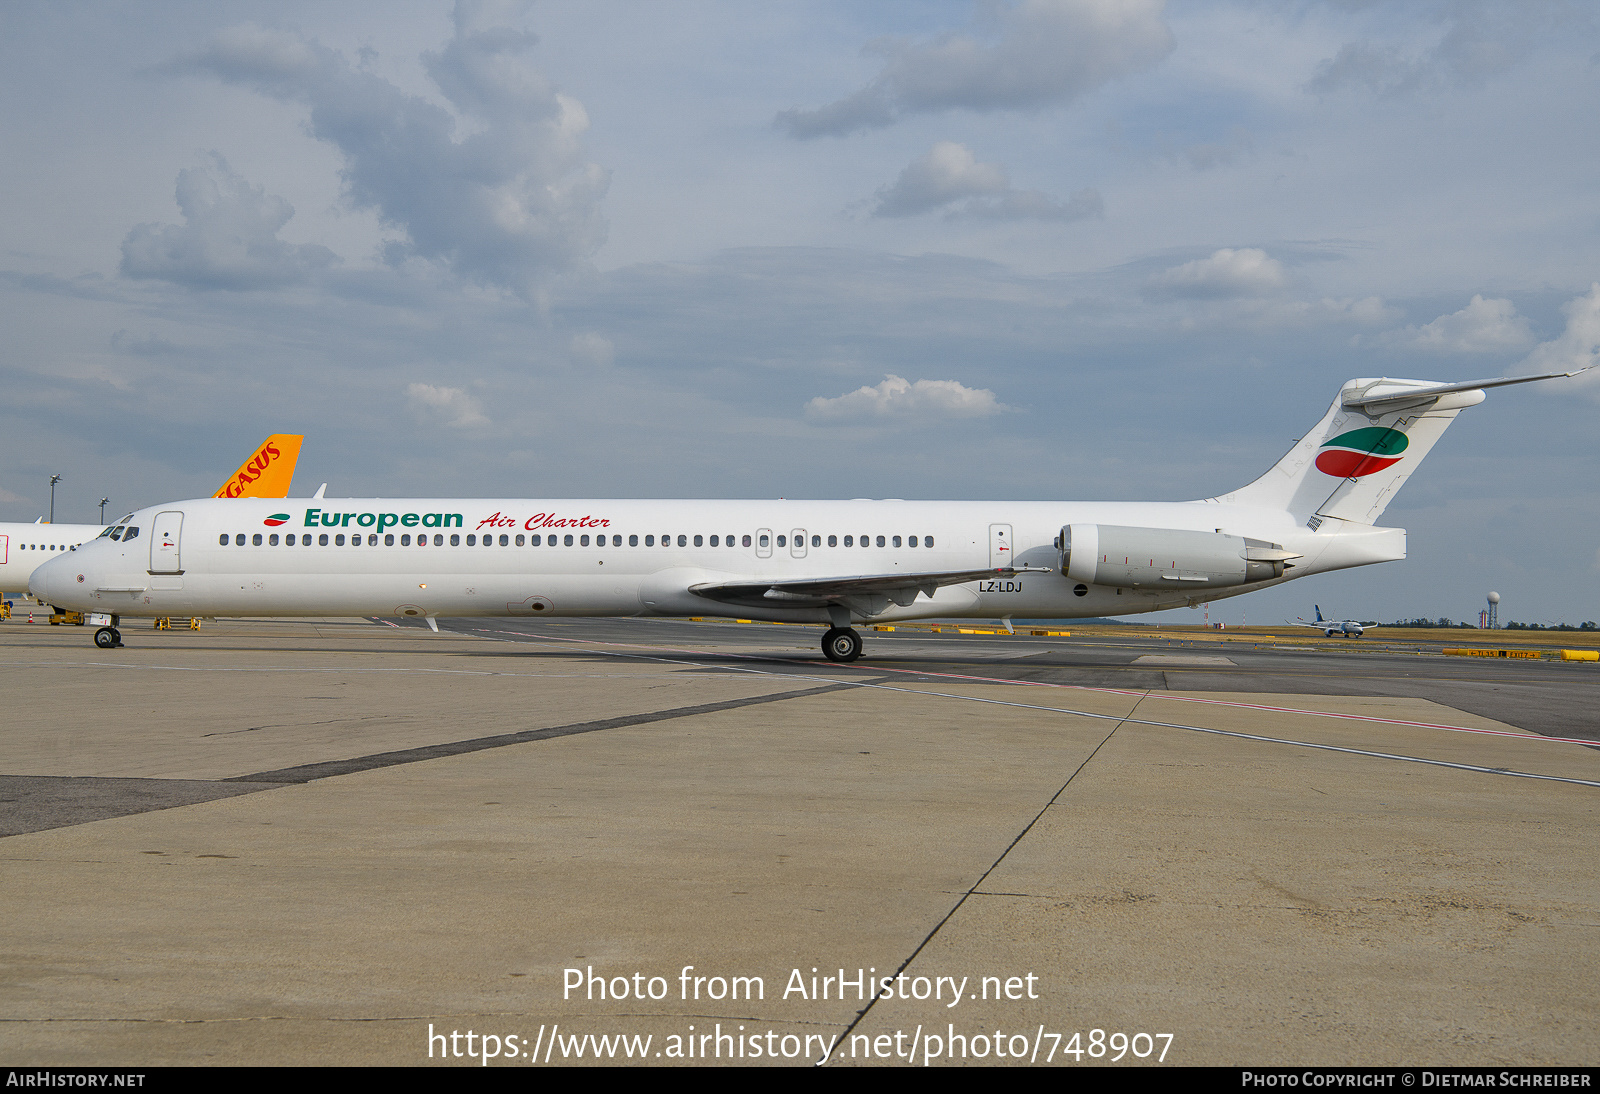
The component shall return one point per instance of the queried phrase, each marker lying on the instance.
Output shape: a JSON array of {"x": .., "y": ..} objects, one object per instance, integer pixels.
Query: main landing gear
[
  {"x": 108, "y": 638},
  {"x": 841, "y": 644}
]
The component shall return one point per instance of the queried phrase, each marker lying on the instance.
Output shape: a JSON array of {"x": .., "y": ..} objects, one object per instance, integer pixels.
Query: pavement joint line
[
  {"x": 992, "y": 867},
  {"x": 1085, "y": 687},
  {"x": 1178, "y": 725},
  {"x": 304, "y": 773}
]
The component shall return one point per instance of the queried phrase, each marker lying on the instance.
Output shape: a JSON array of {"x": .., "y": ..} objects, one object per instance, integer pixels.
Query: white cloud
[
  {"x": 506, "y": 205},
  {"x": 228, "y": 240},
  {"x": 1045, "y": 52},
  {"x": 950, "y": 173},
  {"x": 1483, "y": 326},
  {"x": 592, "y": 349},
  {"x": 455, "y": 406},
  {"x": 1577, "y": 347},
  {"x": 947, "y": 173},
  {"x": 1248, "y": 271},
  {"x": 897, "y": 397}
]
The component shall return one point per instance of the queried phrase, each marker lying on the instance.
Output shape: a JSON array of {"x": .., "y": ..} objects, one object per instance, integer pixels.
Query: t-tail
[{"x": 1350, "y": 465}]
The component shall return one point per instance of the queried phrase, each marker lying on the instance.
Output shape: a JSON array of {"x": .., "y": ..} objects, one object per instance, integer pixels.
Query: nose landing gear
[
  {"x": 108, "y": 638},
  {"x": 841, "y": 644}
]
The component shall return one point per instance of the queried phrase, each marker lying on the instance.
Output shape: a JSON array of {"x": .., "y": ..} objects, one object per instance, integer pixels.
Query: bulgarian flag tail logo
[
  {"x": 1361, "y": 452},
  {"x": 276, "y": 519}
]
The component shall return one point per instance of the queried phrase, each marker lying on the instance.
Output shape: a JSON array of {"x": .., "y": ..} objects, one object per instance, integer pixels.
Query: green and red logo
[
  {"x": 1361, "y": 452},
  {"x": 276, "y": 519}
]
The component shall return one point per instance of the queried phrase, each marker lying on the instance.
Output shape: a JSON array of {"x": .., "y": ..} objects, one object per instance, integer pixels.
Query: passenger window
[
  {"x": 289, "y": 539},
  {"x": 255, "y": 540},
  {"x": 880, "y": 541},
  {"x": 897, "y": 541},
  {"x": 238, "y": 540},
  {"x": 322, "y": 540},
  {"x": 763, "y": 540},
  {"x": 816, "y": 541},
  {"x": 849, "y": 541},
  {"x": 583, "y": 541},
  {"x": 537, "y": 541},
  {"x": 338, "y": 540},
  {"x": 223, "y": 539},
  {"x": 746, "y": 541},
  {"x": 388, "y": 539},
  {"x": 698, "y": 542},
  {"x": 272, "y": 540},
  {"x": 633, "y": 541},
  {"x": 616, "y": 541},
  {"x": 683, "y": 541},
  {"x": 519, "y": 541},
  {"x": 713, "y": 541},
  {"x": 927, "y": 541},
  {"x": 649, "y": 541},
  {"x": 912, "y": 542},
  {"x": 405, "y": 540},
  {"x": 666, "y": 541},
  {"x": 782, "y": 541},
  {"x": 833, "y": 541},
  {"x": 472, "y": 541},
  {"x": 567, "y": 540},
  {"x": 372, "y": 540},
  {"x": 438, "y": 540},
  {"x": 455, "y": 540}
]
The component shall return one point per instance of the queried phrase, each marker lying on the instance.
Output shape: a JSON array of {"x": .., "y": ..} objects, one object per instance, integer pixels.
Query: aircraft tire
[
  {"x": 107, "y": 638},
  {"x": 841, "y": 644}
]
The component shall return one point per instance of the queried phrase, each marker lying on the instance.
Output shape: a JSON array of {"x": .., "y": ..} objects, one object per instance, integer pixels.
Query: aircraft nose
[{"x": 52, "y": 576}]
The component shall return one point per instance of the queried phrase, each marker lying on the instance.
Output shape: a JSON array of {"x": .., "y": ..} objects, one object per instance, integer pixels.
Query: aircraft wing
[{"x": 857, "y": 590}]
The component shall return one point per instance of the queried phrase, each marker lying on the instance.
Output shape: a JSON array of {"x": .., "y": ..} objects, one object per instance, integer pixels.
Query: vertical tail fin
[
  {"x": 1351, "y": 463},
  {"x": 268, "y": 472}
]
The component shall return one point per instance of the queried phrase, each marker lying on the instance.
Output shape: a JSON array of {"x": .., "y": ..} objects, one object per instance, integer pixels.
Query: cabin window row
[{"x": 505, "y": 540}]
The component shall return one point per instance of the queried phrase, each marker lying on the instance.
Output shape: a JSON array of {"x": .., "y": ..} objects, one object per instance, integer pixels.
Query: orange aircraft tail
[{"x": 268, "y": 473}]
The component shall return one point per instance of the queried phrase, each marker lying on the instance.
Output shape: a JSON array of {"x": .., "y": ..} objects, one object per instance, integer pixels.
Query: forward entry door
[{"x": 164, "y": 545}]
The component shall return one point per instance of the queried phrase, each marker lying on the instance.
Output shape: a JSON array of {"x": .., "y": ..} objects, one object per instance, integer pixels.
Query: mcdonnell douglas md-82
[
  {"x": 825, "y": 562},
  {"x": 23, "y": 547}
]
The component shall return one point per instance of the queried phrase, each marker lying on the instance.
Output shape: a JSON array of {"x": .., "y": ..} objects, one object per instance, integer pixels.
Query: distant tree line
[{"x": 1445, "y": 621}]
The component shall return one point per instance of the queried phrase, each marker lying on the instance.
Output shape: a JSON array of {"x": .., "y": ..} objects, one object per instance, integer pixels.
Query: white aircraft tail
[{"x": 1349, "y": 466}]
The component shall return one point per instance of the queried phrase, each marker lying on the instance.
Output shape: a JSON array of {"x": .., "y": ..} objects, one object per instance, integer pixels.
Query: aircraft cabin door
[
  {"x": 164, "y": 545},
  {"x": 1000, "y": 545}
]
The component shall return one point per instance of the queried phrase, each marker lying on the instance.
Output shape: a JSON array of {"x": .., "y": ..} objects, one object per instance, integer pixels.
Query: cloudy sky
[{"x": 1042, "y": 249}]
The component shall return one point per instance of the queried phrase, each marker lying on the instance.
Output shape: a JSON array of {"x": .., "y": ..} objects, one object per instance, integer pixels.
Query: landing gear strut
[
  {"x": 108, "y": 638},
  {"x": 841, "y": 644}
]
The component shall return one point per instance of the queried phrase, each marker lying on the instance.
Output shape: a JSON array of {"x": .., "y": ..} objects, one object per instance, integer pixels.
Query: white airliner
[
  {"x": 23, "y": 547},
  {"x": 824, "y": 562},
  {"x": 1349, "y": 628}
]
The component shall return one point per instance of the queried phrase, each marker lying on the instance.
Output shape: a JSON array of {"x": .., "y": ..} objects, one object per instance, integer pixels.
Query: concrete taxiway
[{"x": 318, "y": 842}]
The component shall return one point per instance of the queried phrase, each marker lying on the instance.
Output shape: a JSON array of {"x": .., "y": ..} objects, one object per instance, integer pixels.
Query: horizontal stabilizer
[{"x": 1393, "y": 391}]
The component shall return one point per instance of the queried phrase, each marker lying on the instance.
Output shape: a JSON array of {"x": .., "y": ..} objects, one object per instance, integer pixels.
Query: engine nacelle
[{"x": 1168, "y": 558}]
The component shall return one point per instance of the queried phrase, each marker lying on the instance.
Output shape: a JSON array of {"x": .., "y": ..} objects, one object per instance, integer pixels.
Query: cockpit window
[
  {"x": 106, "y": 533},
  {"x": 131, "y": 533}
]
